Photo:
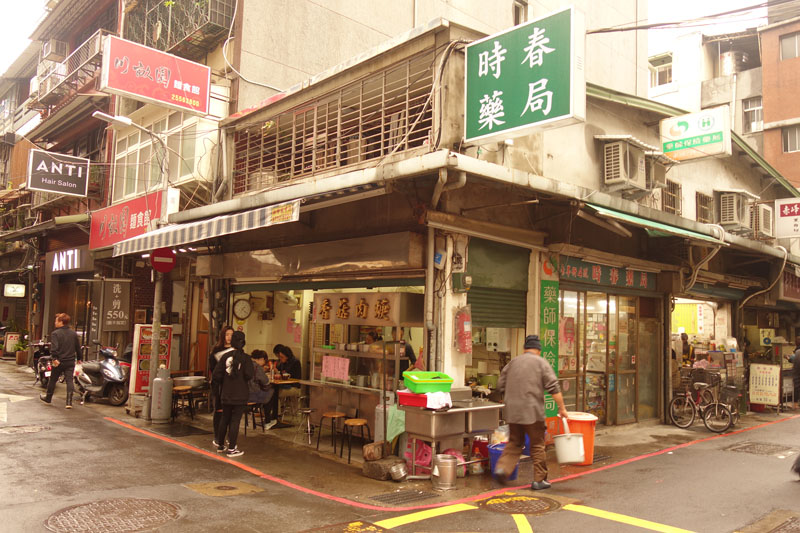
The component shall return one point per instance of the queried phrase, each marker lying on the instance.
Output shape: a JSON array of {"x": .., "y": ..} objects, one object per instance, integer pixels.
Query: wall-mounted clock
[{"x": 242, "y": 309}]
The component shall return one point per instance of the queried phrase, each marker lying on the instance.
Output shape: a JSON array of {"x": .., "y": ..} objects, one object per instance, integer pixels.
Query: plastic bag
[
  {"x": 501, "y": 434},
  {"x": 423, "y": 454},
  {"x": 396, "y": 424}
]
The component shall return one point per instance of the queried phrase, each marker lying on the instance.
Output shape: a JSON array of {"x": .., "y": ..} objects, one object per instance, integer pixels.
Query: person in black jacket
[
  {"x": 233, "y": 373},
  {"x": 287, "y": 364},
  {"x": 222, "y": 347},
  {"x": 64, "y": 349}
]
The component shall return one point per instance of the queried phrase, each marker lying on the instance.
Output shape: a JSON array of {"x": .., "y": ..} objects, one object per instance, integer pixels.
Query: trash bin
[
  {"x": 495, "y": 451},
  {"x": 584, "y": 423}
]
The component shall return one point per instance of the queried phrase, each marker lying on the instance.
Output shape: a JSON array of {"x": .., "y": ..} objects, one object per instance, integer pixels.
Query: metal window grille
[
  {"x": 362, "y": 121},
  {"x": 753, "y": 119},
  {"x": 705, "y": 208},
  {"x": 671, "y": 198}
]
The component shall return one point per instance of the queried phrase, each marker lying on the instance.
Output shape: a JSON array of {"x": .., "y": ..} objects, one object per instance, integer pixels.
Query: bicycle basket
[{"x": 729, "y": 394}]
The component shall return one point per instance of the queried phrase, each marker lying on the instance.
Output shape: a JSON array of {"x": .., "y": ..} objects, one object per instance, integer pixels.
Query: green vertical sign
[
  {"x": 530, "y": 75},
  {"x": 548, "y": 333}
]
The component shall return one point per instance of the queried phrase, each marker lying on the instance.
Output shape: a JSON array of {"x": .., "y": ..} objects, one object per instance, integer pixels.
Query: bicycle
[{"x": 683, "y": 409}]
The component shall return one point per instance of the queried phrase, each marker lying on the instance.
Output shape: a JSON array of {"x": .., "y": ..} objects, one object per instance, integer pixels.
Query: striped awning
[{"x": 178, "y": 234}]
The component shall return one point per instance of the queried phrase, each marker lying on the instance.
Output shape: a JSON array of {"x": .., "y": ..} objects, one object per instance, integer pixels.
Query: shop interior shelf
[{"x": 351, "y": 353}]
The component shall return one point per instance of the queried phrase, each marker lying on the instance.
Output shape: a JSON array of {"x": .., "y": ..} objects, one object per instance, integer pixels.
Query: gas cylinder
[{"x": 161, "y": 400}]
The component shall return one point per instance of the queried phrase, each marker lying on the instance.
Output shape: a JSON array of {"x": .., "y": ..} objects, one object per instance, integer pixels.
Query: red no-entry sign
[{"x": 162, "y": 259}]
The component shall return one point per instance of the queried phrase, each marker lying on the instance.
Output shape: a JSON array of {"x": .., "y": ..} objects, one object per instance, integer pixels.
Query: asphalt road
[{"x": 56, "y": 464}]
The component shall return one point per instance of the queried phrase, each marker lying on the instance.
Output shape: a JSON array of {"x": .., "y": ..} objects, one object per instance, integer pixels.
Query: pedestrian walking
[
  {"x": 796, "y": 370},
  {"x": 523, "y": 382},
  {"x": 233, "y": 373},
  {"x": 222, "y": 347},
  {"x": 64, "y": 350}
]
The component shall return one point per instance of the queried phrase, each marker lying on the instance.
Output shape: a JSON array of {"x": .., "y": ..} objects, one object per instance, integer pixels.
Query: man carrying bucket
[{"x": 523, "y": 381}]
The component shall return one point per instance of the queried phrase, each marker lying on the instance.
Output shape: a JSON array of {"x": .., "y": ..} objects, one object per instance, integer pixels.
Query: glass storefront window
[
  {"x": 596, "y": 351},
  {"x": 569, "y": 340}
]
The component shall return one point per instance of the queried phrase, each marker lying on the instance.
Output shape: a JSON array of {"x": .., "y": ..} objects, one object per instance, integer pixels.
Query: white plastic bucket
[{"x": 569, "y": 446}]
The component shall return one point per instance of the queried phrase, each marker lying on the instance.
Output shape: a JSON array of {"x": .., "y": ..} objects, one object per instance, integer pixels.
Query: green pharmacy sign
[{"x": 530, "y": 76}]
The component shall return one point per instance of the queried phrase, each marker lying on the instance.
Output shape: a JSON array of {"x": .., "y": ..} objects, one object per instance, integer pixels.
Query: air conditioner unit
[
  {"x": 734, "y": 211},
  {"x": 33, "y": 90},
  {"x": 761, "y": 221},
  {"x": 656, "y": 175},
  {"x": 54, "y": 50},
  {"x": 624, "y": 166}
]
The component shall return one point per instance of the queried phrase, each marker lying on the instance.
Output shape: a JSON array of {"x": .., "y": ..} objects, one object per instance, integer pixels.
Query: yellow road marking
[
  {"x": 638, "y": 522},
  {"x": 522, "y": 523},
  {"x": 397, "y": 521}
]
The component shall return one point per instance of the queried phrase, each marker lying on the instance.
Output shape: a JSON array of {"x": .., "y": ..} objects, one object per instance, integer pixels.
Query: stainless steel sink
[
  {"x": 432, "y": 424},
  {"x": 480, "y": 415}
]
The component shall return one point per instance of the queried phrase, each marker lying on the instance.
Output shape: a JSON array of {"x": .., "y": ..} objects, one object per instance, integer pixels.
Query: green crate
[{"x": 419, "y": 382}]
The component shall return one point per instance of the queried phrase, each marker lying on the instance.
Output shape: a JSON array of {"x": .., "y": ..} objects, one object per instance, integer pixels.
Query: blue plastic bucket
[
  {"x": 495, "y": 451},
  {"x": 527, "y": 449}
]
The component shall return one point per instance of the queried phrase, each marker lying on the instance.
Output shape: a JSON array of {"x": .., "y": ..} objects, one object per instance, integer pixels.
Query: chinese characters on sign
[
  {"x": 116, "y": 305},
  {"x": 787, "y": 218},
  {"x": 530, "y": 75},
  {"x": 336, "y": 367},
  {"x": 149, "y": 75},
  {"x": 368, "y": 309},
  {"x": 142, "y": 351},
  {"x": 574, "y": 269},
  {"x": 703, "y": 134},
  {"x": 789, "y": 287},
  {"x": 123, "y": 221},
  {"x": 548, "y": 333},
  {"x": 765, "y": 384}
]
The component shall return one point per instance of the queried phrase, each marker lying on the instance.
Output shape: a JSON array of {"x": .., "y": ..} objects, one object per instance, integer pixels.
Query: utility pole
[{"x": 155, "y": 341}]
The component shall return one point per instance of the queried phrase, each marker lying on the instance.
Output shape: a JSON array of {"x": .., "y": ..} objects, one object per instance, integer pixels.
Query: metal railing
[{"x": 77, "y": 69}]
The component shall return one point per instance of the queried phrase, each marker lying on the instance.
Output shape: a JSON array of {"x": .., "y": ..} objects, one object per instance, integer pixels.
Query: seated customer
[
  {"x": 287, "y": 364},
  {"x": 261, "y": 392}
]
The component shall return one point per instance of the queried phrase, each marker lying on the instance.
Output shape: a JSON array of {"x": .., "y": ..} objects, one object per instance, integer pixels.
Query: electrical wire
[{"x": 225, "y": 53}]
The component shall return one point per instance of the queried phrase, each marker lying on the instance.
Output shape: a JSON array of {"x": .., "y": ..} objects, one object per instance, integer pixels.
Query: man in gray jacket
[
  {"x": 523, "y": 382},
  {"x": 64, "y": 349}
]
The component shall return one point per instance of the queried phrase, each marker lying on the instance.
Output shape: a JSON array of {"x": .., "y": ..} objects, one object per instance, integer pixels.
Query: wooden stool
[
  {"x": 334, "y": 416},
  {"x": 349, "y": 424},
  {"x": 305, "y": 416},
  {"x": 254, "y": 408},
  {"x": 182, "y": 398}
]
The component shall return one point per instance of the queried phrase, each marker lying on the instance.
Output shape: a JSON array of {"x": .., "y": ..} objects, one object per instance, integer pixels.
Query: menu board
[
  {"x": 142, "y": 349},
  {"x": 336, "y": 367},
  {"x": 765, "y": 384}
]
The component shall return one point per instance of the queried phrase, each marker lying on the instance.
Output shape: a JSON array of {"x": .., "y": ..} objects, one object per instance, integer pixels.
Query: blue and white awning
[{"x": 178, "y": 234}]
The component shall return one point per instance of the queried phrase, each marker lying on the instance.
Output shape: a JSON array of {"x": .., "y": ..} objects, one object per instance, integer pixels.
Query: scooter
[
  {"x": 106, "y": 378},
  {"x": 42, "y": 362}
]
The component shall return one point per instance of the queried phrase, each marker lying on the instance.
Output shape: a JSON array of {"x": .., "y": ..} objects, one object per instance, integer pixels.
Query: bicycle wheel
[
  {"x": 706, "y": 397},
  {"x": 717, "y": 417},
  {"x": 681, "y": 412}
]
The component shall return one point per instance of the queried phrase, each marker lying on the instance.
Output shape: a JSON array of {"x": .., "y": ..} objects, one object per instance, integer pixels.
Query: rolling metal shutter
[{"x": 497, "y": 308}]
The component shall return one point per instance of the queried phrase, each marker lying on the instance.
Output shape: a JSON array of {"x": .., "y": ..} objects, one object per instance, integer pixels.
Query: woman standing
[
  {"x": 222, "y": 347},
  {"x": 233, "y": 374}
]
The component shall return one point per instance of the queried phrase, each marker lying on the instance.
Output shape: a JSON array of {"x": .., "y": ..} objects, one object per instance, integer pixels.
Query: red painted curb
[{"x": 469, "y": 499}]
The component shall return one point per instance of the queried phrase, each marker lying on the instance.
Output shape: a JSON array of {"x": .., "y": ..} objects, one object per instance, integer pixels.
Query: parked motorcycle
[
  {"x": 105, "y": 378},
  {"x": 42, "y": 362}
]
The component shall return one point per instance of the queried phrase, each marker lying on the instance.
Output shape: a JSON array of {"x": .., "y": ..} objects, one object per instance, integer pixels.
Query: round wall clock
[{"x": 242, "y": 309}]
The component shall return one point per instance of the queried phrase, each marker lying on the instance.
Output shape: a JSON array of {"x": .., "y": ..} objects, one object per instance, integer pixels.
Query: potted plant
[{"x": 22, "y": 350}]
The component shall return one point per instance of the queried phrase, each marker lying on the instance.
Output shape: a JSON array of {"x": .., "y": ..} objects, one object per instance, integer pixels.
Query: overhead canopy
[
  {"x": 178, "y": 234},
  {"x": 655, "y": 229}
]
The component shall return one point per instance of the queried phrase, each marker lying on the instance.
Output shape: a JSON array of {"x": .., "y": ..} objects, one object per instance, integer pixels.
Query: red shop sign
[
  {"x": 123, "y": 221},
  {"x": 142, "y": 73}
]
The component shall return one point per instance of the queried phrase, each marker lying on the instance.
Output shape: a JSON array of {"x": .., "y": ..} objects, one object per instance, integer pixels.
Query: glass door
[
  {"x": 649, "y": 355},
  {"x": 570, "y": 339},
  {"x": 624, "y": 345},
  {"x": 595, "y": 355}
]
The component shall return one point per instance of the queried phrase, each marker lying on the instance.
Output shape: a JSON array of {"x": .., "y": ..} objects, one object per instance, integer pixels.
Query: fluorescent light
[
  {"x": 182, "y": 250},
  {"x": 145, "y": 256},
  {"x": 116, "y": 120}
]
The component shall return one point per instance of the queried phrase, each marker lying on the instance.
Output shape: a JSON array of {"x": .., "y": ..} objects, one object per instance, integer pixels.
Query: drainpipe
[
  {"x": 780, "y": 274},
  {"x": 223, "y": 182},
  {"x": 706, "y": 259}
]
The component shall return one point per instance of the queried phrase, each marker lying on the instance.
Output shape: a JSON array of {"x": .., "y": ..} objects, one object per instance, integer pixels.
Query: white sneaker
[
  {"x": 235, "y": 452},
  {"x": 271, "y": 424}
]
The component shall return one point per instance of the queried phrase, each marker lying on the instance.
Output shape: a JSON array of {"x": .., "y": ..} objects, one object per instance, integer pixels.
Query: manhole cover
[
  {"x": 225, "y": 487},
  {"x": 790, "y": 526},
  {"x": 12, "y": 430},
  {"x": 403, "y": 496},
  {"x": 116, "y": 515},
  {"x": 761, "y": 448},
  {"x": 519, "y": 504},
  {"x": 349, "y": 527}
]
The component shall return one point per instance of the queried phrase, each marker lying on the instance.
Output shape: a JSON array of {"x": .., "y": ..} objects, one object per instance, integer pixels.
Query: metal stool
[
  {"x": 290, "y": 399},
  {"x": 305, "y": 416},
  {"x": 182, "y": 399},
  {"x": 334, "y": 416},
  {"x": 349, "y": 424},
  {"x": 254, "y": 408}
]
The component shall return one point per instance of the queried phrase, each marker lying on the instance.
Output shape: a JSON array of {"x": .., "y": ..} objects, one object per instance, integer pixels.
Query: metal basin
[
  {"x": 434, "y": 424},
  {"x": 480, "y": 415},
  {"x": 189, "y": 381}
]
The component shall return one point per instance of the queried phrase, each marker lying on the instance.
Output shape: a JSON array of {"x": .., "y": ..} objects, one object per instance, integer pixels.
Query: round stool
[
  {"x": 305, "y": 416},
  {"x": 334, "y": 416},
  {"x": 182, "y": 398},
  {"x": 349, "y": 425}
]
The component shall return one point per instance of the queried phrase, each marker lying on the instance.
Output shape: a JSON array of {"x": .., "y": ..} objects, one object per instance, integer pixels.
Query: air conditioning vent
[
  {"x": 734, "y": 211},
  {"x": 761, "y": 221},
  {"x": 54, "y": 50},
  {"x": 624, "y": 166}
]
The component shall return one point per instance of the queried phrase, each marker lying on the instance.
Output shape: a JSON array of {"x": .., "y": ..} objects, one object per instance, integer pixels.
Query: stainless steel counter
[{"x": 466, "y": 416}]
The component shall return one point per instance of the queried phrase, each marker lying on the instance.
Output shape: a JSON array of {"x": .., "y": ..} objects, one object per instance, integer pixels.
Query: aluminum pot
[
  {"x": 190, "y": 381},
  {"x": 443, "y": 475},
  {"x": 398, "y": 471}
]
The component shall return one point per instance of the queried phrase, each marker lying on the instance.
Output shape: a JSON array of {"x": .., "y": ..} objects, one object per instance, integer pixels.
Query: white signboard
[
  {"x": 696, "y": 135},
  {"x": 787, "y": 218},
  {"x": 765, "y": 384}
]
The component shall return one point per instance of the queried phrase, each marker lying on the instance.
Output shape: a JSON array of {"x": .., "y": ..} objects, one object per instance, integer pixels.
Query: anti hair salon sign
[{"x": 58, "y": 173}]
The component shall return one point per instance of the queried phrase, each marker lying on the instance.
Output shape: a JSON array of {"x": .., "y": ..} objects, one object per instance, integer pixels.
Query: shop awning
[
  {"x": 654, "y": 229},
  {"x": 178, "y": 234}
]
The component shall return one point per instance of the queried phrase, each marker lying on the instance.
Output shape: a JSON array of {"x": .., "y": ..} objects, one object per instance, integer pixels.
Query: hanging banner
[{"x": 142, "y": 349}]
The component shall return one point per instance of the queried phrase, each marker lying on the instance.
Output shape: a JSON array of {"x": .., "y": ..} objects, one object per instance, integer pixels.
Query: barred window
[
  {"x": 753, "y": 115},
  {"x": 671, "y": 198},
  {"x": 705, "y": 208}
]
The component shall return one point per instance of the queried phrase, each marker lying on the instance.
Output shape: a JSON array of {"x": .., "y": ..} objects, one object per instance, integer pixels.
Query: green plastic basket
[{"x": 419, "y": 382}]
